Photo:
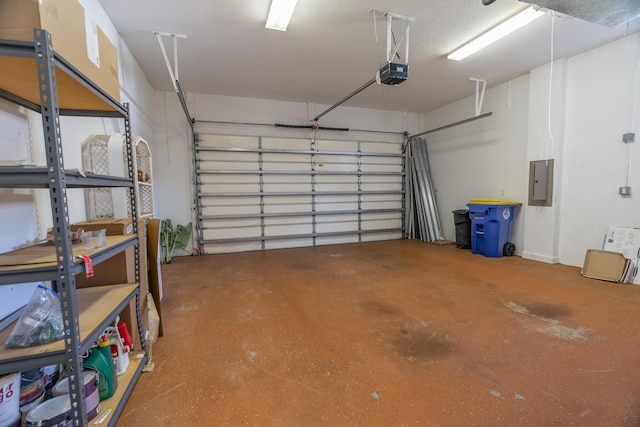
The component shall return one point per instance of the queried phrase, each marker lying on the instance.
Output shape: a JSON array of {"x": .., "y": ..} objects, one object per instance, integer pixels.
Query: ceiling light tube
[
  {"x": 518, "y": 20},
  {"x": 280, "y": 14}
]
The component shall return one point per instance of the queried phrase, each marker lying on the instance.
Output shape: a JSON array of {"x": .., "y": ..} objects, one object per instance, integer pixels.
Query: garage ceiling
[{"x": 330, "y": 48}]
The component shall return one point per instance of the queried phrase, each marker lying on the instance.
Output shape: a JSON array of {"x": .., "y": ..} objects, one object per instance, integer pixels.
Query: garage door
[{"x": 269, "y": 192}]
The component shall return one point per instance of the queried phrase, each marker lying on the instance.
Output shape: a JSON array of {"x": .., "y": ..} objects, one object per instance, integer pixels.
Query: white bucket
[{"x": 9, "y": 398}]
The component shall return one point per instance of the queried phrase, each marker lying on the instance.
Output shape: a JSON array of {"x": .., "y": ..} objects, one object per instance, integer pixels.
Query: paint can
[
  {"x": 27, "y": 407},
  {"x": 16, "y": 423},
  {"x": 31, "y": 385},
  {"x": 91, "y": 393},
  {"x": 55, "y": 412},
  {"x": 9, "y": 398}
]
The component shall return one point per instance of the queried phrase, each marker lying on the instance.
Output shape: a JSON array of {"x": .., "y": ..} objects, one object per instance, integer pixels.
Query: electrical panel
[{"x": 541, "y": 183}]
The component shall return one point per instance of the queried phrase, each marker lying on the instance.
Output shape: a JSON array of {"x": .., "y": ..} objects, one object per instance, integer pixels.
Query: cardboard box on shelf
[
  {"x": 118, "y": 269},
  {"x": 106, "y": 75},
  {"x": 94, "y": 56},
  {"x": 128, "y": 316},
  {"x": 121, "y": 269},
  {"x": 114, "y": 227}
]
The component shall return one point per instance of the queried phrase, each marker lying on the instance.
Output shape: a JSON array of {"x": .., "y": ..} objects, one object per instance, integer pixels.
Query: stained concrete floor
[{"x": 395, "y": 333}]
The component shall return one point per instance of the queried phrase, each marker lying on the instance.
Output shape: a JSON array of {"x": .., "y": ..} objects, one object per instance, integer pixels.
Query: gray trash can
[{"x": 463, "y": 228}]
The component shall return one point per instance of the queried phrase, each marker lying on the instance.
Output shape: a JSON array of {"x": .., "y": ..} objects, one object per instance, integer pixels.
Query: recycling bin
[
  {"x": 463, "y": 228},
  {"x": 491, "y": 226}
]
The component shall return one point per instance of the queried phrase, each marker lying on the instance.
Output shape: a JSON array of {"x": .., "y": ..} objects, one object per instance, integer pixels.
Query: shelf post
[
  {"x": 65, "y": 281},
  {"x": 133, "y": 176}
]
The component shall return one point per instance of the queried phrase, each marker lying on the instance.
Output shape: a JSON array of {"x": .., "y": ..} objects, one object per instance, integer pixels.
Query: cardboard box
[
  {"x": 605, "y": 265},
  {"x": 114, "y": 227},
  {"x": 64, "y": 19},
  {"x": 106, "y": 75},
  {"x": 121, "y": 269},
  {"x": 94, "y": 56},
  {"x": 625, "y": 240},
  {"x": 155, "y": 261},
  {"x": 128, "y": 315}
]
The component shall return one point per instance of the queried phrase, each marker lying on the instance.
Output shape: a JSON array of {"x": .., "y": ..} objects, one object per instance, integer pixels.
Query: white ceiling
[{"x": 330, "y": 48}]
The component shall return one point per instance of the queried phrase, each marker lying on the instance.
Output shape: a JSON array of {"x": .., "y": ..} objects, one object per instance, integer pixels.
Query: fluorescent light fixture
[
  {"x": 280, "y": 14},
  {"x": 518, "y": 20}
]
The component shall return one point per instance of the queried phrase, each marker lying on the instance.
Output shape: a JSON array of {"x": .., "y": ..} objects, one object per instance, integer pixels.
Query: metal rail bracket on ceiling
[
  {"x": 174, "y": 72},
  {"x": 479, "y": 93},
  {"x": 392, "y": 51},
  {"x": 481, "y": 85}
]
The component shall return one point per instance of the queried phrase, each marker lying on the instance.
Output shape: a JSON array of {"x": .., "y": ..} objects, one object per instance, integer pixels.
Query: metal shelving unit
[{"x": 35, "y": 77}]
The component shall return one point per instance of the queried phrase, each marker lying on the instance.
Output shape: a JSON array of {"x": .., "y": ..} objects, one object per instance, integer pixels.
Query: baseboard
[{"x": 541, "y": 258}]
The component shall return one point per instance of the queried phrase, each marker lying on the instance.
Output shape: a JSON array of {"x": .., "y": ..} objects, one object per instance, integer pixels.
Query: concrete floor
[{"x": 394, "y": 333}]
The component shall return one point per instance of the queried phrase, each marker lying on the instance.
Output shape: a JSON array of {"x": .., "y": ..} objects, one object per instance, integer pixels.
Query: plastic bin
[
  {"x": 491, "y": 226},
  {"x": 463, "y": 228}
]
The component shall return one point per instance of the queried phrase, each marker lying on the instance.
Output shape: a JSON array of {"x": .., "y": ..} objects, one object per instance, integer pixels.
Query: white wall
[
  {"x": 601, "y": 85},
  {"x": 546, "y": 141},
  {"x": 172, "y": 155},
  {"x": 591, "y": 101},
  {"x": 16, "y": 205},
  {"x": 481, "y": 159}
]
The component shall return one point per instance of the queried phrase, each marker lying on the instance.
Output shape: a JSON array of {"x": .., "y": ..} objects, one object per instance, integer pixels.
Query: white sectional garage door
[{"x": 266, "y": 192}]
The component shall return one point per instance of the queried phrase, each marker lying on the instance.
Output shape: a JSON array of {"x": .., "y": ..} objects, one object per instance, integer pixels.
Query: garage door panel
[
  {"x": 293, "y": 229},
  {"x": 333, "y": 227},
  {"x": 230, "y": 224},
  {"x": 270, "y": 143},
  {"x": 375, "y": 237},
  {"x": 231, "y": 233},
  {"x": 228, "y": 156},
  {"x": 338, "y": 240},
  {"x": 227, "y": 141},
  {"x": 228, "y": 248},
  {"x": 380, "y": 147},
  {"x": 286, "y": 209},
  {"x": 336, "y": 145},
  {"x": 288, "y": 243}
]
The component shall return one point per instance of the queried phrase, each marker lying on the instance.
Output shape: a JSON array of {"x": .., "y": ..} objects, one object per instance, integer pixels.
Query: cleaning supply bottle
[
  {"x": 100, "y": 361},
  {"x": 126, "y": 338}
]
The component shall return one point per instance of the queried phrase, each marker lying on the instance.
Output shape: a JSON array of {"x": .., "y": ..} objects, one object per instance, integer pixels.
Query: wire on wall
[
  {"x": 549, "y": 142},
  {"x": 634, "y": 79}
]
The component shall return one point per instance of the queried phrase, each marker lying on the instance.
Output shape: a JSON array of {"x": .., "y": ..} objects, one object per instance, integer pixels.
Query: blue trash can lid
[{"x": 492, "y": 202}]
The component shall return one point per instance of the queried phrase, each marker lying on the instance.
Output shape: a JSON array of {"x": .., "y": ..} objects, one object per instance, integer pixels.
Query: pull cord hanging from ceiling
[{"x": 549, "y": 141}]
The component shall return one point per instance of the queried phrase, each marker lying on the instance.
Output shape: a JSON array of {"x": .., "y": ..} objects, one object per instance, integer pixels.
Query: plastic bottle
[
  {"x": 100, "y": 360},
  {"x": 126, "y": 338}
]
